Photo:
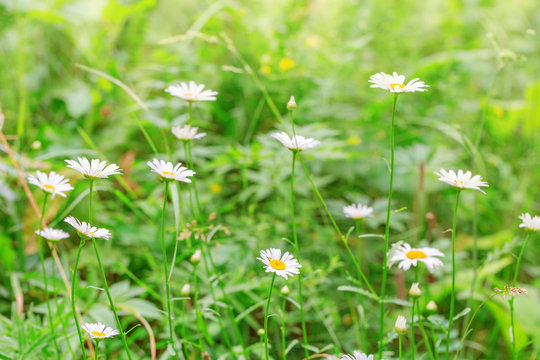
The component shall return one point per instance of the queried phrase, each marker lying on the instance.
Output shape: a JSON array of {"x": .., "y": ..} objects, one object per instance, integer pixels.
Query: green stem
[
  {"x": 516, "y": 271},
  {"x": 400, "y": 356},
  {"x": 387, "y": 233},
  {"x": 434, "y": 336},
  {"x": 453, "y": 294},
  {"x": 266, "y": 318},
  {"x": 63, "y": 323},
  {"x": 423, "y": 331},
  {"x": 186, "y": 154},
  {"x": 198, "y": 317},
  {"x": 97, "y": 350},
  {"x": 360, "y": 298},
  {"x": 165, "y": 270},
  {"x": 194, "y": 182},
  {"x": 283, "y": 342},
  {"x": 413, "y": 343},
  {"x": 73, "y": 287}
]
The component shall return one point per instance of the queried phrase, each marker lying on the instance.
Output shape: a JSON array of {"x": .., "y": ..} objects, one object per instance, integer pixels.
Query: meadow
[{"x": 355, "y": 180}]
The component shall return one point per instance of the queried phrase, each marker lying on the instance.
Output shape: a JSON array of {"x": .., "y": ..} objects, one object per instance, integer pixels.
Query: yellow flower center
[
  {"x": 168, "y": 173},
  {"x": 456, "y": 182},
  {"x": 416, "y": 254},
  {"x": 91, "y": 233},
  {"x": 98, "y": 334},
  {"x": 188, "y": 94},
  {"x": 277, "y": 264},
  {"x": 397, "y": 86},
  {"x": 49, "y": 187}
]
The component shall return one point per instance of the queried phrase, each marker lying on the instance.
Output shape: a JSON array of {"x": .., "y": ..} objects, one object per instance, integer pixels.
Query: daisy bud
[
  {"x": 285, "y": 290},
  {"x": 291, "y": 105},
  {"x": 415, "y": 290},
  {"x": 401, "y": 325},
  {"x": 196, "y": 257},
  {"x": 431, "y": 306},
  {"x": 185, "y": 290},
  {"x": 260, "y": 332}
]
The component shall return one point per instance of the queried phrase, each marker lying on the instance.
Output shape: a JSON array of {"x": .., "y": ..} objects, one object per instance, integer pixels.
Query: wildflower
[
  {"x": 283, "y": 266},
  {"x": 53, "y": 235},
  {"x": 291, "y": 105},
  {"x": 166, "y": 170},
  {"x": 461, "y": 180},
  {"x": 52, "y": 183},
  {"x": 357, "y": 355},
  {"x": 529, "y": 222},
  {"x": 99, "y": 331},
  {"x": 286, "y": 64},
  {"x": 186, "y": 289},
  {"x": 187, "y": 133},
  {"x": 396, "y": 83},
  {"x": 260, "y": 332},
  {"x": 94, "y": 169},
  {"x": 408, "y": 256},
  {"x": 296, "y": 142},
  {"x": 285, "y": 290},
  {"x": 401, "y": 325},
  {"x": 359, "y": 211},
  {"x": 196, "y": 257},
  {"x": 431, "y": 306},
  {"x": 415, "y": 290},
  {"x": 192, "y": 92},
  {"x": 86, "y": 230},
  {"x": 511, "y": 291}
]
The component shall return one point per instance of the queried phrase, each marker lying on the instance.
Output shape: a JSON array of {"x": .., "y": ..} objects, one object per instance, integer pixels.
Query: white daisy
[
  {"x": 283, "y": 266},
  {"x": 401, "y": 325},
  {"x": 53, "y": 235},
  {"x": 166, "y": 170},
  {"x": 95, "y": 168},
  {"x": 396, "y": 83},
  {"x": 52, "y": 183},
  {"x": 296, "y": 142},
  {"x": 186, "y": 133},
  {"x": 461, "y": 180},
  {"x": 357, "y": 355},
  {"x": 87, "y": 230},
  {"x": 530, "y": 222},
  {"x": 191, "y": 92},
  {"x": 359, "y": 211},
  {"x": 99, "y": 330},
  {"x": 408, "y": 256}
]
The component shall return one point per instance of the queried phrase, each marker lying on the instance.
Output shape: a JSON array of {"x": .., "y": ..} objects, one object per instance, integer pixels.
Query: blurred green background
[{"x": 480, "y": 58}]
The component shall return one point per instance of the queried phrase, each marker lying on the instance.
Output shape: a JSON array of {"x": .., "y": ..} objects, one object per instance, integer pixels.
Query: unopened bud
[
  {"x": 431, "y": 306},
  {"x": 291, "y": 105},
  {"x": 186, "y": 289},
  {"x": 285, "y": 290},
  {"x": 401, "y": 325},
  {"x": 415, "y": 290},
  {"x": 260, "y": 332},
  {"x": 196, "y": 257}
]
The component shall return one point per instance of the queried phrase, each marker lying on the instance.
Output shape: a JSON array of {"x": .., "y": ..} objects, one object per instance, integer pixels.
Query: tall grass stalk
[
  {"x": 453, "y": 293},
  {"x": 266, "y": 353}
]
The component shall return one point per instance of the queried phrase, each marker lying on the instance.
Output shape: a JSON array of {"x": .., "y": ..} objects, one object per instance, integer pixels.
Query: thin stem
[
  {"x": 283, "y": 342},
  {"x": 387, "y": 233},
  {"x": 516, "y": 271},
  {"x": 73, "y": 287},
  {"x": 400, "y": 356},
  {"x": 434, "y": 336},
  {"x": 423, "y": 331},
  {"x": 97, "y": 350},
  {"x": 186, "y": 154},
  {"x": 360, "y": 298},
  {"x": 266, "y": 318},
  {"x": 194, "y": 181},
  {"x": 198, "y": 318},
  {"x": 453, "y": 294},
  {"x": 63, "y": 323},
  {"x": 413, "y": 343},
  {"x": 165, "y": 270}
]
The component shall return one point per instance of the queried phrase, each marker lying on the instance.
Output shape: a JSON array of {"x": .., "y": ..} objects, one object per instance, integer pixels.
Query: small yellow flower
[
  {"x": 286, "y": 64},
  {"x": 354, "y": 140},
  {"x": 265, "y": 70},
  {"x": 216, "y": 188},
  {"x": 312, "y": 41}
]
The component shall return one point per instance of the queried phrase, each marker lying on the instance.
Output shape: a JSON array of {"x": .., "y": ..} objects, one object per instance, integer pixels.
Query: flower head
[
  {"x": 192, "y": 92},
  {"x": 94, "y": 169},
  {"x": 431, "y": 306},
  {"x": 415, "y": 291},
  {"x": 401, "y": 325},
  {"x": 530, "y": 222},
  {"x": 283, "y": 266},
  {"x": 511, "y": 291},
  {"x": 186, "y": 289},
  {"x": 186, "y": 133},
  {"x": 86, "y": 230},
  {"x": 196, "y": 257},
  {"x": 52, "y": 183},
  {"x": 166, "y": 170},
  {"x": 53, "y": 235},
  {"x": 396, "y": 83},
  {"x": 408, "y": 256},
  {"x": 99, "y": 330},
  {"x": 357, "y": 355},
  {"x": 359, "y": 211},
  {"x": 291, "y": 105},
  {"x": 296, "y": 142},
  {"x": 461, "y": 180}
]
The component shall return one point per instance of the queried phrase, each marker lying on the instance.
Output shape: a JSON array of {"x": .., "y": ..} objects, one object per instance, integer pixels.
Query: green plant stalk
[
  {"x": 360, "y": 298},
  {"x": 387, "y": 233},
  {"x": 453, "y": 294},
  {"x": 283, "y": 339},
  {"x": 97, "y": 350},
  {"x": 511, "y": 300},
  {"x": 42, "y": 259},
  {"x": 199, "y": 320},
  {"x": 423, "y": 331},
  {"x": 266, "y": 353},
  {"x": 73, "y": 287},
  {"x": 194, "y": 182},
  {"x": 165, "y": 270},
  {"x": 64, "y": 330},
  {"x": 186, "y": 153},
  {"x": 413, "y": 342},
  {"x": 361, "y": 275},
  {"x": 400, "y": 356},
  {"x": 434, "y": 337}
]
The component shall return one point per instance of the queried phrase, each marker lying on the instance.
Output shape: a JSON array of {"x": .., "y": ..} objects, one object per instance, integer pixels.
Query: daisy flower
[
  {"x": 166, "y": 170},
  {"x": 53, "y": 235},
  {"x": 396, "y": 83},
  {"x": 359, "y": 211},
  {"x": 192, "y": 92},
  {"x": 99, "y": 331},
  {"x": 401, "y": 325},
  {"x": 52, "y": 183},
  {"x": 283, "y": 266},
  {"x": 357, "y": 355},
  {"x": 530, "y": 222},
  {"x": 186, "y": 133},
  {"x": 296, "y": 142},
  {"x": 94, "y": 169},
  {"x": 461, "y": 180},
  {"x": 86, "y": 230},
  {"x": 408, "y": 256}
]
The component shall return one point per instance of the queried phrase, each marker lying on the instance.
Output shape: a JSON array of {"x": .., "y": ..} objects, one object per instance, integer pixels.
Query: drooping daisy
[
  {"x": 53, "y": 235},
  {"x": 283, "y": 266},
  {"x": 461, "y": 180},
  {"x": 99, "y": 330},
  {"x": 186, "y": 133},
  {"x": 396, "y": 83},
  {"x": 408, "y": 256},
  {"x": 296, "y": 142},
  {"x": 192, "y": 92},
  {"x": 530, "y": 222},
  {"x": 357, "y": 355},
  {"x": 169, "y": 172},
  {"x": 359, "y": 211},
  {"x": 86, "y": 230},
  {"x": 52, "y": 183},
  {"x": 95, "y": 169}
]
